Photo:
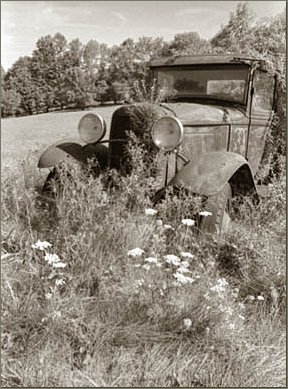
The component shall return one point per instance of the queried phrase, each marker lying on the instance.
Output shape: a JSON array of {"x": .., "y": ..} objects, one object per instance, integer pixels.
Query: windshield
[{"x": 227, "y": 83}]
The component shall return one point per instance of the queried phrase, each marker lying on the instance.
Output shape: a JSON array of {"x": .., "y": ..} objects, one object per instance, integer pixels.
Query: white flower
[
  {"x": 48, "y": 296},
  {"x": 59, "y": 264},
  {"x": 60, "y": 282},
  {"x": 159, "y": 222},
  {"x": 183, "y": 279},
  {"x": 231, "y": 326},
  {"x": 250, "y": 297},
  {"x": 151, "y": 260},
  {"x": 167, "y": 227},
  {"x": 137, "y": 252},
  {"x": 150, "y": 212},
  {"x": 205, "y": 213},
  {"x": 172, "y": 259},
  {"x": 241, "y": 305},
  {"x": 41, "y": 245},
  {"x": 51, "y": 258},
  {"x": 188, "y": 222},
  {"x": 56, "y": 314},
  {"x": 185, "y": 263},
  {"x": 261, "y": 298},
  {"x": 139, "y": 282},
  {"x": 146, "y": 266},
  {"x": 186, "y": 254},
  {"x": 220, "y": 286},
  {"x": 187, "y": 323},
  {"x": 183, "y": 269}
]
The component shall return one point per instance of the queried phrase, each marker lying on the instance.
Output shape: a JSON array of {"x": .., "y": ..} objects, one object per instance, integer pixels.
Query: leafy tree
[
  {"x": 188, "y": 43},
  {"x": 102, "y": 89},
  {"x": 263, "y": 39},
  {"x": 19, "y": 78},
  {"x": 10, "y": 99}
]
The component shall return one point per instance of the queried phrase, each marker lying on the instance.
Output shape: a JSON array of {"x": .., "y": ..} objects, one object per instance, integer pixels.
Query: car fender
[
  {"x": 208, "y": 174},
  {"x": 73, "y": 150}
]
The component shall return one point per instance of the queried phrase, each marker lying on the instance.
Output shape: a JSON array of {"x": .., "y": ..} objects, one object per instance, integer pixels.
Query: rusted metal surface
[
  {"x": 73, "y": 150},
  {"x": 199, "y": 140},
  {"x": 201, "y": 59},
  {"x": 54, "y": 154},
  {"x": 208, "y": 174}
]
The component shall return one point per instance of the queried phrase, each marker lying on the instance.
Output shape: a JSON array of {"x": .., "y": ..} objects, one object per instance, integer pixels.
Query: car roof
[{"x": 203, "y": 59}]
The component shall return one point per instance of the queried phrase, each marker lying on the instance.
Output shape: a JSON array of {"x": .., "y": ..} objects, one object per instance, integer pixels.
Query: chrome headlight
[
  {"x": 167, "y": 133},
  {"x": 91, "y": 128}
]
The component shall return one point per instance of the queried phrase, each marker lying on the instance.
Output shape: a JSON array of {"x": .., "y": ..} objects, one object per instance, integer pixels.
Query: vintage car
[{"x": 211, "y": 129}]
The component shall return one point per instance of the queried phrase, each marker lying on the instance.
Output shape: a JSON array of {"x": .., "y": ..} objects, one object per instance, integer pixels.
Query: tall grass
[{"x": 184, "y": 309}]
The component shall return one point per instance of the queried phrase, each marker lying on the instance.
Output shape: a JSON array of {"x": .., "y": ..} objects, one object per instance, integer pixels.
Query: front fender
[
  {"x": 75, "y": 150},
  {"x": 208, "y": 174}
]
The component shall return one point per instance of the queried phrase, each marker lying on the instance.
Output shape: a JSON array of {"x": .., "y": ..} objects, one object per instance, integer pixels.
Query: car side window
[{"x": 263, "y": 91}]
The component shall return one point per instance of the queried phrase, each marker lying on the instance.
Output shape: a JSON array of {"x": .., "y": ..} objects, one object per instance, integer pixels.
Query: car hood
[{"x": 193, "y": 113}]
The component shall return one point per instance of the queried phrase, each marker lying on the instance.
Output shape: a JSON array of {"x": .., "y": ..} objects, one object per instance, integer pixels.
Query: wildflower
[
  {"x": 261, "y": 298},
  {"x": 229, "y": 311},
  {"x": 186, "y": 254},
  {"x": 185, "y": 263},
  {"x": 172, "y": 259},
  {"x": 167, "y": 227},
  {"x": 183, "y": 279},
  {"x": 187, "y": 323},
  {"x": 51, "y": 258},
  {"x": 56, "y": 314},
  {"x": 250, "y": 297},
  {"x": 241, "y": 305},
  {"x": 41, "y": 245},
  {"x": 150, "y": 212},
  {"x": 159, "y": 222},
  {"x": 183, "y": 269},
  {"x": 188, "y": 222},
  {"x": 146, "y": 266},
  {"x": 220, "y": 286},
  {"x": 139, "y": 282},
  {"x": 205, "y": 213},
  {"x": 151, "y": 260},
  {"x": 231, "y": 326},
  {"x": 60, "y": 282},
  {"x": 59, "y": 264},
  {"x": 137, "y": 252}
]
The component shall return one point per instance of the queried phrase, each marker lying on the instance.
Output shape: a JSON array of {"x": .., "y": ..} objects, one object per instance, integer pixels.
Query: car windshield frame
[{"x": 221, "y": 69}]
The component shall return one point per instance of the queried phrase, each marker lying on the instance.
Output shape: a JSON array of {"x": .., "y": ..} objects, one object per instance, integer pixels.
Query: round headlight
[
  {"x": 91, "y": 128},
  {"x": 167, "y": 133}
]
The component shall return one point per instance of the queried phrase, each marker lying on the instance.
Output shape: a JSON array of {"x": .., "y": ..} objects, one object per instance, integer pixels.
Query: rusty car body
[{"x": 212, "y": 129}]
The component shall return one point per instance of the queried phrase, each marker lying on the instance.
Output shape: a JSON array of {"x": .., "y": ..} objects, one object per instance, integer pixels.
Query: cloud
[{"x": 120, "y": 17}]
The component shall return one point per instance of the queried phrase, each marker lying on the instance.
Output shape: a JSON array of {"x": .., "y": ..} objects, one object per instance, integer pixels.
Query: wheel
[
  {"x": 52, "y": 185},
  {"x": 220, "y": 206}
]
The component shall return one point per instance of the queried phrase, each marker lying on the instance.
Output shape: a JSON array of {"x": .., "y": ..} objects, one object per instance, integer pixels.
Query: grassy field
[{"x": 99, "y": 289}]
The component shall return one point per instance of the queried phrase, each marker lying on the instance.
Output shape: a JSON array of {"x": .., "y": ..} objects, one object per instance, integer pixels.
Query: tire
[
  {"x": 220, "y": 205},
  {"x": 52, "y": 186}
]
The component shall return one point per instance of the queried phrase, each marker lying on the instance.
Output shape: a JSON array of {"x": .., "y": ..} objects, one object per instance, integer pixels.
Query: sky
[{"x": 111, "y": 22}]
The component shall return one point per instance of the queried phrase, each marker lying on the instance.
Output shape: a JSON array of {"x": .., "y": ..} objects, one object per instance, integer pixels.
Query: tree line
[{"x": 62, "y": 74}]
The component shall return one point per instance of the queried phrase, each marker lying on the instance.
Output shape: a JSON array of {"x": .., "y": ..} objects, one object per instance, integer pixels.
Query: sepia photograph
[{"x": 143, "y": 194}]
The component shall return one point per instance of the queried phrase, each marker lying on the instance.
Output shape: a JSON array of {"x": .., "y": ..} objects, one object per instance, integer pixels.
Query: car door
[{"x": 261, "y": 116}]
